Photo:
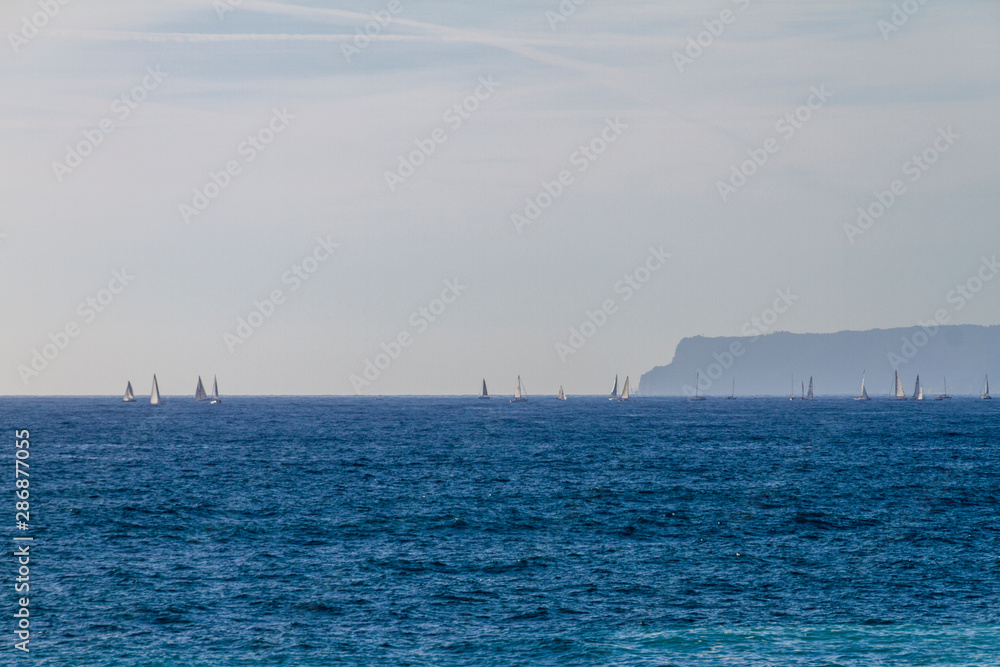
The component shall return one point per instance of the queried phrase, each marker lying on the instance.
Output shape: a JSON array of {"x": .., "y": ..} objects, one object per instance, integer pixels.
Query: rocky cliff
[{"x": 765, "y": 365}]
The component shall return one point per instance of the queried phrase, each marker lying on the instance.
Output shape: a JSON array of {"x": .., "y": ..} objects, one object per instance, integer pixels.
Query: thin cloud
[{"x": 514, "y": 45}]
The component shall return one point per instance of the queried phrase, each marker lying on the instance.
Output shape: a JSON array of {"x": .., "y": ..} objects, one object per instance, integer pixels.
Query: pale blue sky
[{"x": 324, "y": 177}]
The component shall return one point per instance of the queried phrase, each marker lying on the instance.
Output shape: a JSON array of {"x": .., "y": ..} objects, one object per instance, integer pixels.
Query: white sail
[
  {"x": 864, "y": 392},
  {"x": 129, "y": 397},
  {"x": 562, "y": 394},
  {"x": 917, "y": 394},
  {"x": 199, "y": 393},
  {"x": 920, "y": 394},
  {"x": 519, "y": 394},
  {"x": 215, "y": 390},
  {"x": 899, "y": 393},
  {"x": 809, "y": 396},
  {"x": 614, "y": 392},
  {"x": 484, "y": 394},
  {"x": 986, "y": 389},
  {"x": 154, "y": 397},
  {"x": 624, "y": 391}
]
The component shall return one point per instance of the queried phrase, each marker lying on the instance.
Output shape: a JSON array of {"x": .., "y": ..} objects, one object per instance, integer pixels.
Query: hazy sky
[{"x": 115, "y": 113}]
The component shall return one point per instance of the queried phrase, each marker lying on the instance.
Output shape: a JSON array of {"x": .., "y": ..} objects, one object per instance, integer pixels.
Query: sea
[{"x": 458, "y": 531}]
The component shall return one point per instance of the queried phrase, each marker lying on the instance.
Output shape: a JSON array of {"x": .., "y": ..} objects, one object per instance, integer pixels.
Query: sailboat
[
  {"x": 696, "y": 397},
  {"x": 864, "y": 392},
  {"x": 215, "y": 390},
  {"x": 562, "y": 394},
  {"x": 199, "y": 393},
  {"x": 986, "y": 390},
  {"x": 129, "y": 397},
  {"x": 945, "y": 394},
  {"x": 624, "y": 396},
  {"x": 485, "y": 393},
  {"x": 732, "y": 396},
  {"x": 918, "y": 391},
  {"x": 154, "y": 397},
  {"x": 519, "y": 394},
  {"x": 898, "y": 393},
  {"x": 614, "y": 392},
  {"x": 803, "y": 390},
  {"x": 809, "y": 395}
]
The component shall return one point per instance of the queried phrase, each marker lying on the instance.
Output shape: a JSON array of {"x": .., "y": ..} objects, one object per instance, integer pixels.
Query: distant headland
[{"x": 766, "y": 365}]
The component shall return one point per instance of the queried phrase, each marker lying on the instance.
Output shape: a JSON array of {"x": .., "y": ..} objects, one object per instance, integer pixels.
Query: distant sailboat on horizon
[
  {"x": 154, "y": 396},
  {"x": 215, "y": 390},
  {"x": 484, "y": 394},
  {"x": 199, "y": 392},
  {"x": 696, "y": 397},
  {"x": 898, "y": 392},
  {"x": 986, "y": 390},
  {"x": 864, "y": 392},
  {"x": 624, "y": 396},
  {"x": 562, "y": 394},
  {"x": 945, "y": 394},
  {"x": 129, "y": 397},
  {"x": 809, "y": 395},
  {"x": 732, "y": 396},
  {"x": 918, "y": 391},
  {"x": 519, "y": 394},
  {"x": 614, "y": 392}
]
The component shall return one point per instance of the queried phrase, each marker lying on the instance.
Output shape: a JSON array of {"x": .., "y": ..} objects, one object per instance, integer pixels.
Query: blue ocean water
[{"x": 455, "y": 531}]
